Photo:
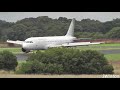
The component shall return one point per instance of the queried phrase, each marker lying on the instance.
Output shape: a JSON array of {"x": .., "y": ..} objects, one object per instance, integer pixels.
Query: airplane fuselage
[{"x": 38, "y": 43}]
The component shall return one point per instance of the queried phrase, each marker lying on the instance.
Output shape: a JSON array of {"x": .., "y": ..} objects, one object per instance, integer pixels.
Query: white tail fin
[{"x": 71, "y": 28}]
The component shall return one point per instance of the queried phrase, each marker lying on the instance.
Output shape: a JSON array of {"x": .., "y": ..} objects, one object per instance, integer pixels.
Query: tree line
[{"x": 45, "y": 26}]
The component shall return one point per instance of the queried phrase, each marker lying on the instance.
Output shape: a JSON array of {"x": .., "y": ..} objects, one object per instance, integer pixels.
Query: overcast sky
[{"x": 101, "y": 16}]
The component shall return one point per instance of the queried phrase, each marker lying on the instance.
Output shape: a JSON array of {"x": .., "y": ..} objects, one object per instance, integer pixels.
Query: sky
[{"x": 101, "y": 16}]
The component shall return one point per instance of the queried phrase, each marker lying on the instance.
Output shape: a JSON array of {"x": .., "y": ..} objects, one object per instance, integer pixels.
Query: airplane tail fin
[{"x": 71, "y": 28}]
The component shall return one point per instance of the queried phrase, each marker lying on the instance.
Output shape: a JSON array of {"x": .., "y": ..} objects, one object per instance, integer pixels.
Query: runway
[
  {"x": 24, "y": 56},
  {"x": 110, "y": 51}
]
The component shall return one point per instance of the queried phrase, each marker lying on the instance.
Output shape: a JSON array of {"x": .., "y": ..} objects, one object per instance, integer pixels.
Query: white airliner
[{"x": 42, "y": 43}]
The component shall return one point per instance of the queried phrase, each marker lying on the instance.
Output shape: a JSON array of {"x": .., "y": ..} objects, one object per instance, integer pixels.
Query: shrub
[
  {"x": 67, "y": 61},
  {"x": 30, "y": 67},
  {"x": 108, "y": 69},
  {"x": 8, "y": 61},
  {"x": 35, "y": 67}
]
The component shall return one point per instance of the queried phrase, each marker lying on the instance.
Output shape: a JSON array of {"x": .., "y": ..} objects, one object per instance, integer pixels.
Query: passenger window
[{"x": 29, "y": 42}]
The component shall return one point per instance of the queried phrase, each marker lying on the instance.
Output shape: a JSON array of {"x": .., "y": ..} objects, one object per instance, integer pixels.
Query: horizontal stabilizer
[{"x": 15, "y": 42}]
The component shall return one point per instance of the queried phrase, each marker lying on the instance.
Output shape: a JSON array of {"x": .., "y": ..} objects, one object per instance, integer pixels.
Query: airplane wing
[
  {"x": 15, "y": 42},
  {"x": 80, "y": 44},
  {"x": 75, "y": 44}
]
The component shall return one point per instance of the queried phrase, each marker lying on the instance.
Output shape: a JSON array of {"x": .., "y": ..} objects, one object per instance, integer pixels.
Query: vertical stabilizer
[{"x": 71, "y": 28}]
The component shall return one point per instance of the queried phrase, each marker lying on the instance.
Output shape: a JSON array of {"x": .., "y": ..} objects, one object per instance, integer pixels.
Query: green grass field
[
  {"x": 100, "y": 47},
  {"x": 13, "y": 50},
  {"x": 113, "y": 57},
  {"x": 109, "y": 44}
]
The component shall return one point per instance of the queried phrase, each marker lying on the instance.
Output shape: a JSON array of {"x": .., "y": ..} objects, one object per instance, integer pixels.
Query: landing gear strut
[{"x": 24, "y": 50}]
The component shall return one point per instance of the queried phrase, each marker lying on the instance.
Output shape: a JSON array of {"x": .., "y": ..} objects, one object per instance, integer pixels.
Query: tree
[
  {"x": 18, "y": 32},
  {"x": 45, "y": 26},
  {"x": 114, "y": 33},
  {"x": 8, "y": 61}
]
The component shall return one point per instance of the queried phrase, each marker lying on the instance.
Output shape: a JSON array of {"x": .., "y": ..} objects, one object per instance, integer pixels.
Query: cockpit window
[{"x": 28, "y": 41}]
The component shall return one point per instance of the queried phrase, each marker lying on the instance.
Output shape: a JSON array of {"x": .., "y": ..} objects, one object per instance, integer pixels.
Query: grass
[
  {"x": 94, "y": 47},
  {"x": 109, "y": 44},
  {"x": 100, "y": 47},
  {"x": 21, "y": 61},
  {"x": 97, "y": 48},
  {"x": 113, "y": 57},
  {"x": 13, "y": 50}
]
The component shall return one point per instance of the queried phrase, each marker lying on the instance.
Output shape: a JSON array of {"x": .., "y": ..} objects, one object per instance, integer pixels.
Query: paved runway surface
[
  {"x": 23, "y": 56},
  {"x": 110, "y": 51}
]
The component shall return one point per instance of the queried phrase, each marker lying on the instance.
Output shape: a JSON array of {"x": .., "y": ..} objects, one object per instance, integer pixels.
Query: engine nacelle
[{"x": 24, "y": 50}]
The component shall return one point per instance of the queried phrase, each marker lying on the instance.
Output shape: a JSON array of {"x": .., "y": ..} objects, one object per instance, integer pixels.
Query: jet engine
[{"x": 24, "y": 50}]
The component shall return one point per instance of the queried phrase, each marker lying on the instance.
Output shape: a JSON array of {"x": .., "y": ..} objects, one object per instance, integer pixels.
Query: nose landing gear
[{"x": 24, "y": 50}]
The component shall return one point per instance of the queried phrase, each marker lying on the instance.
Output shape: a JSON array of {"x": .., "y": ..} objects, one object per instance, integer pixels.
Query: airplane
[{"x": 43, "y": 43}]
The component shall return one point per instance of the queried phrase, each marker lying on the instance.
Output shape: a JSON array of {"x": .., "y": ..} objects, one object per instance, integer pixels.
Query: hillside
[{"x": 45, "y": 26}]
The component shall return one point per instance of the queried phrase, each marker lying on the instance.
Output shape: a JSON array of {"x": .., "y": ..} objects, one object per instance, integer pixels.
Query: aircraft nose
[{"x": 24, "y": 46}]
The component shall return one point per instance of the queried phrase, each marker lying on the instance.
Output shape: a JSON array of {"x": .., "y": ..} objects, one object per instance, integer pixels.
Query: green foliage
[
  {"x": 3, "y": 27},
  {"x": 114, "y": 33},
  {"x": 36, "y": 67},
  {"x": 18, "y": 31},
  {"x": 66, "y": 61},
  {"x": 8, "y": 61},
  {"x": 111, "y": 24},
  {"x": 45, "y": 26},
  {"x": 29, "y": 67},
  {"x": 107, "y": 69},
  {"x": 93, "y": 35},
  {"x": 88, "y": 25}
]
